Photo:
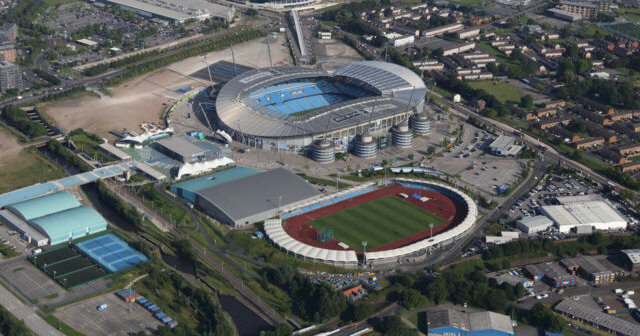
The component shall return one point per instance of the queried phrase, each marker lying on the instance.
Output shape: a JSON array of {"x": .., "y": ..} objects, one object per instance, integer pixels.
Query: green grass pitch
[{"x": 379, "y": 222}]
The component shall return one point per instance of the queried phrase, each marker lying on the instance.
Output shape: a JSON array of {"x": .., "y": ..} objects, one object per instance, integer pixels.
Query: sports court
[
  {"x": 111, "y": 252},
  {"x": 67, "y": 266}
]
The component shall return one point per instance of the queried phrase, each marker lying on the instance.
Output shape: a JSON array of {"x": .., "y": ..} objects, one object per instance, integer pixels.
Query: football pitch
[{"x": 379, "y": 222}]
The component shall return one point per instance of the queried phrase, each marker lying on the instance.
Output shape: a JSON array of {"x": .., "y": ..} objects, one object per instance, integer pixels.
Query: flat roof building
[
  {"x": 596, "y": 215},
  {"x": 590, "y": 269},
  {"x": 187, "y": 190},
  {"x": 115, "y": 152},
  {"x": 180, "y": 149},
  {"x": 505, "y": 146},
  {"x": 551, "y": 273},
  {"x": 241, "y": 202},
  {"x": 533, "y": 224}
]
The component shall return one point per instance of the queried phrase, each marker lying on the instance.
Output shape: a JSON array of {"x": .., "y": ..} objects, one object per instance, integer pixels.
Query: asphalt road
[{"x": 27, "y": 314}]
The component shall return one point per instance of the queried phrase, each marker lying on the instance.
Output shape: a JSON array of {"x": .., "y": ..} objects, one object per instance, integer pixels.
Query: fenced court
[
  {"x": 67, "y": 266},
  {"x": 111, "y": 252}
]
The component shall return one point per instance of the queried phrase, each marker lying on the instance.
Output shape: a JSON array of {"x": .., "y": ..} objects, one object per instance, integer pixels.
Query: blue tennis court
[{"x": 112, "y": 252}]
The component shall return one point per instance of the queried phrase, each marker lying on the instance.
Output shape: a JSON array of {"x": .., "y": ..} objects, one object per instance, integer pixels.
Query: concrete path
[{"x": 27, "y": 314}]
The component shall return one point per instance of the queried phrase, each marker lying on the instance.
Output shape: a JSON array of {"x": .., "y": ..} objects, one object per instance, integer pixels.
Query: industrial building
[
  {"x": 589, "y": 269},
  {"x": 596, "y": 318},
  {"x": 176, "y": 11},
  {"x": 551, "y": 273},
  {"x": 453, "y": 322},
  {"x": 505, "y": 146},
  {"x": 533, "y": 224},
  {"x": 187, "y": 190},
  {"x": 10, "y": 76},
  {"x": 254, "y": 198},
  {"x": 53, "y": 219},
  {"x": 180, "y": 149},
  {"x": 631, "y": 259},
  {"x": 584, "y": 217}
]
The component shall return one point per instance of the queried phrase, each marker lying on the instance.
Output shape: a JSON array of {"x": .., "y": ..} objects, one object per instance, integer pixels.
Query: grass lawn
[
  {"x": 379, "y": 222},
  {"x": 501, "y": 90},
  {"x": 26, "y": 168},
  {"x": 90, "y": 147}
]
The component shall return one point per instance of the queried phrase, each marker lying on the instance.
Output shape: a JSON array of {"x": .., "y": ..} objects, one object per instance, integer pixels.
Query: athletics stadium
[
  {"x": 290, "y": 108},
  {"x": 400, "y": 222}
]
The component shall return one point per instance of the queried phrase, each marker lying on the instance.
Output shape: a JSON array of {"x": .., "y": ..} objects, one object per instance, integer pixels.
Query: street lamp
[
  {"x": 364, "y": 251},
  {"x": 431, "y": 227}
]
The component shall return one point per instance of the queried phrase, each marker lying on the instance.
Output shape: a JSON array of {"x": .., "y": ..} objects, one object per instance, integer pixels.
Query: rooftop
[
  {"x": 240, "y": 198},
  {"x": 633, "y": 255},
  {"x": 44, "y": 205},
  {"x": 579, "y": 311},
  {"x": 181, "y": 146}
]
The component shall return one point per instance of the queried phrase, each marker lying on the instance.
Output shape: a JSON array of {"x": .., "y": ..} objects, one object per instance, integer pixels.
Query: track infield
[{"x": 379, "y": 222}]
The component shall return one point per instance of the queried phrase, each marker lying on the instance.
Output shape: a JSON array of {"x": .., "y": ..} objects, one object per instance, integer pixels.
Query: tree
[
  {"x": 626, "y": 194},
  {"x": 543, "y": 316},
  {"x": 411, "y": 298},
  {"x": 526, "y": 102},
  {"x": 431, "y": 150},
  {"x": 393, "y": 326},
  {"x": 388, "y": 12},
  {"x": 438, "y": 53},
  {"x": 357, "y": 311}
]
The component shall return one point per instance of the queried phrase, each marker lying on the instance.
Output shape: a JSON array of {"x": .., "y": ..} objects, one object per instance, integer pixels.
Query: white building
[
  {"x": 533, "y": 224},
  {"x": 596, "y": 215},
  {"x": 399, "y": 40},
  {"x": 324, "y": 35},
  {"x": 504, "y": 146}
]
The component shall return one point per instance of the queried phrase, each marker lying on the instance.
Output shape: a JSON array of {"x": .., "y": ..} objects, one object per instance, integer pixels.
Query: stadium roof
[
  {"x": 258, "y": 193},
  {"x": 45, "y": 205},
  {"x": 69, "y": 224},
  {"x": 613, "y": 324},
  {"x": 397, "y": 87}
]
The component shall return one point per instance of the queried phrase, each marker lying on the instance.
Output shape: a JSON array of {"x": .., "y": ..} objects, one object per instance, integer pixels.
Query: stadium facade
[{"x": 288, "y": 108}]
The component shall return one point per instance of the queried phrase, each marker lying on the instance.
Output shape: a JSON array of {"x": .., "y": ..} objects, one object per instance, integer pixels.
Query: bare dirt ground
[
  {"x": 333, "y": 54},
  {"x": 144, "y": 98},
  {"x": 9, "y": 148}
]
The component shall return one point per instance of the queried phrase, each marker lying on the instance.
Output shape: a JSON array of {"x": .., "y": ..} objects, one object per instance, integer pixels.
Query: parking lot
[
  {"x": 11, "y": 238},
  {"x": 114, "y": 320},
  {"x": 33, "y": 285}
]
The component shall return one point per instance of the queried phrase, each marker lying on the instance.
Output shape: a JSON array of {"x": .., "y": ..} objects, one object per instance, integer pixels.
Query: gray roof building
[
  {"x": 453, "y": 322},
  {"x": 254, "y": 198},
  {"x": 533, "y": 224},
  {"x": 590, "y": 269},
  {"x": 632, "y": 258},
  {"x": 596, "y": 318},
  {"x": 180, "y": 149}
]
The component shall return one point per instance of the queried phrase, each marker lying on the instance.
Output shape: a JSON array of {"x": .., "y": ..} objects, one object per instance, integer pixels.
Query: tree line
[
  {"x": 11, "y": 326},
  {"x": 17, "y": 118},
  {"x": 56, "y": 149},
  {"x": 219, "y": 43},
  {"x": 122, "y": 208}
]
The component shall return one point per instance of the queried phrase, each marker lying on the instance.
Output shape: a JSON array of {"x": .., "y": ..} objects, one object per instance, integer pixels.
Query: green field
[
  {"x": 501, "y": 90},
  {"x": 379, "y": 222}
]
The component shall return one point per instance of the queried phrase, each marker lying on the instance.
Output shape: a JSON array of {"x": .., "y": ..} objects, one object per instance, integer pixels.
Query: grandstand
[
  {"x": 291, "y": 106},
  {"x": 296, "y": 236}
]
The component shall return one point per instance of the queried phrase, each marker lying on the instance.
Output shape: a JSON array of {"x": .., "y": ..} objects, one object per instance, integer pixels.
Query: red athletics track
[{"x": 438, "y": 204}]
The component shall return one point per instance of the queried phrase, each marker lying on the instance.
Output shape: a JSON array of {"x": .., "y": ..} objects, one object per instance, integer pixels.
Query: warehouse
[
  {"x": 240, "y": 203},
  {"x": 594, "y": 317},
  {"x": 187, "y": 190},
  {"x": 533, "y": 224},
  {"x": 180, "y": 149},
  {"x": 54, "y": 218},
  {"x": 590, "y": 269},
  {"x": 631, "y": 259},
  {"x": 596, "y": 215},
  {"x": 453, "y": 322}
]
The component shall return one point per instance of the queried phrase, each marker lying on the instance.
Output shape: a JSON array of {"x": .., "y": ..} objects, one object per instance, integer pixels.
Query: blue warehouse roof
[
  {"x": 188, "y": 188},
  {"x": 45, "y": 205},
  {"x": 70, "y": 224}
]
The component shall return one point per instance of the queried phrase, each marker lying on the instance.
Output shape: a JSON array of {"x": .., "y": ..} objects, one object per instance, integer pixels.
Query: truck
[
  {"x": 618, "y": 291},
  {"x": 630, "y": 292},
  {"x": 103, "y": 307}
]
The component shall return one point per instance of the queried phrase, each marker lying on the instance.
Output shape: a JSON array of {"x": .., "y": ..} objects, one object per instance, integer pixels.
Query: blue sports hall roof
[
  {"x": 45, "y": 205},
  {"x": 70, "y": 224}
]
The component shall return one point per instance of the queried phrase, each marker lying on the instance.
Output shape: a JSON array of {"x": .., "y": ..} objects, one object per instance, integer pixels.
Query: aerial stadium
[
  {"x": 292, "y": 107},
  {"x": 375, "y": 226}
]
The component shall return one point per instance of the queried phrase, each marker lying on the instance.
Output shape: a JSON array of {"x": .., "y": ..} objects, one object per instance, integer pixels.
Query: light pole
[
  {"x": 364, "y": 254},
  {"x": 130, "y": 303},
  {"x": 431, "y": 227}
]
